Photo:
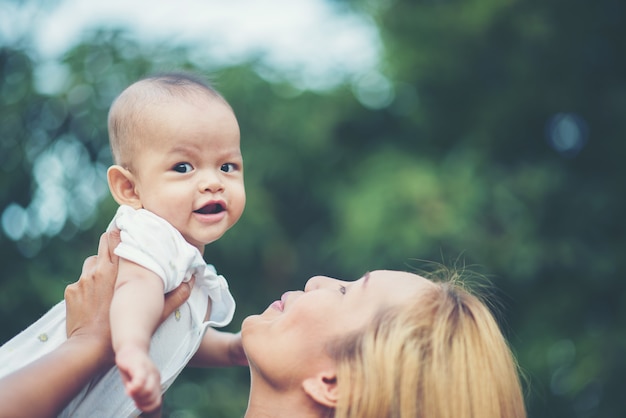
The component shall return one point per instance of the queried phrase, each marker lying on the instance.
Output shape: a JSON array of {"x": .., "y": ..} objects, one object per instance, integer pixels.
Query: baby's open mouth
[{"x": 211, "y": 208}]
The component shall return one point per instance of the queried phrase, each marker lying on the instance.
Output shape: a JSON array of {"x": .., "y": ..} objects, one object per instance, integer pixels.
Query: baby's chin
[{"x": 201, "y": 241}]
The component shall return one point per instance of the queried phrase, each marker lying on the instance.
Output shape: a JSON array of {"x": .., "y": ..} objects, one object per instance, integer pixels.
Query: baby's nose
[{"x": 211, "y": 183}]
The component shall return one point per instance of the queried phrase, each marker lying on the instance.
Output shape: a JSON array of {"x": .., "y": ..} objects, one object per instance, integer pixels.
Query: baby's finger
[
  {"x": 157, "y": 413},
  {"x": 150, "y": 399}
]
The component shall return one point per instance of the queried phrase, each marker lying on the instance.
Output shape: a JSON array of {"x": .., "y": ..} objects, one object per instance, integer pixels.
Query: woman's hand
[{"x": 88, "y": 300}]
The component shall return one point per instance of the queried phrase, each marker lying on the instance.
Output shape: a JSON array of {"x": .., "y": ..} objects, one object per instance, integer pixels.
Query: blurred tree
[{"x": 524, "y": 101}]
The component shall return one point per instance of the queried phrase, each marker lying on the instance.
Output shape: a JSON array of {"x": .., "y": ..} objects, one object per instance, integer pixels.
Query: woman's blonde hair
[{"x": 442, "y": 356}]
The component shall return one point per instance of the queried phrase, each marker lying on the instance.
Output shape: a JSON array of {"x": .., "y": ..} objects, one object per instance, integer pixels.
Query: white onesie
[{"x": 152, "y": 242}]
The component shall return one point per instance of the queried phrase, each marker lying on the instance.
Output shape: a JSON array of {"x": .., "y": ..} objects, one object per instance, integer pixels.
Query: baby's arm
[
  {"x": 219, "y": 349},
  {"x": 135, "y": 313}
]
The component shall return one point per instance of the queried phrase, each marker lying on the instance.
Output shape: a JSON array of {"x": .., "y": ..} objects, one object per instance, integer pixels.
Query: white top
[{"x": 153, "y": 243}]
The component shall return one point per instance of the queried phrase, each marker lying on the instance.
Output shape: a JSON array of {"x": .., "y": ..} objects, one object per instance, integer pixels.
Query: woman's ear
[
  {"x": 323, "y": 388},
  {"x": 122, "y": 186}
]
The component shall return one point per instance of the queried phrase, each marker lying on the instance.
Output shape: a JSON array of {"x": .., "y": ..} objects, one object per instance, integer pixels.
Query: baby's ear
[
  {"x": 122, "y": 186},
  {"x": 323, "y": 388}
]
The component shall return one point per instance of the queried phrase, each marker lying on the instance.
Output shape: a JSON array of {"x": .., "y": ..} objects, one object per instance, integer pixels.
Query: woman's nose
[{"x": 318, "y": 282}]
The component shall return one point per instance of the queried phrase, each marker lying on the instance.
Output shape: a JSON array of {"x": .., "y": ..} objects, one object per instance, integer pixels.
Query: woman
[{"x": 391, "y": 344}]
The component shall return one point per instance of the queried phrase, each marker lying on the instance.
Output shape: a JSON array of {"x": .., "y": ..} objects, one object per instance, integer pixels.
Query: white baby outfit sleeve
[{"x": 155, "y": 244}]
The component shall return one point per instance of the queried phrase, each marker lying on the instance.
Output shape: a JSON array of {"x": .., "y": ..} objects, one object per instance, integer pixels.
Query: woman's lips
[{"x": 280, "y": 304}]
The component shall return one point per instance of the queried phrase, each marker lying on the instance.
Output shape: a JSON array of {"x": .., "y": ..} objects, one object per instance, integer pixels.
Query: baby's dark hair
[{"x": 127, "y": 112}]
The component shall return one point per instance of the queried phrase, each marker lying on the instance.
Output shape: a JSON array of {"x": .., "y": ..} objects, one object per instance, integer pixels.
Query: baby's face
[{"x": 189, "y": 169}]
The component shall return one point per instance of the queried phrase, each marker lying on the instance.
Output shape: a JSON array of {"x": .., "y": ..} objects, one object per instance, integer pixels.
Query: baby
[
  {"x": 175, "y": 143},
  {"x": 178, "y": 177}
]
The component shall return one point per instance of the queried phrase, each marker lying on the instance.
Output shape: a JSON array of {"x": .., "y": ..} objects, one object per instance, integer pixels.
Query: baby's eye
[
  {"x": 228, "y": 167},
  {"x": 182, "y": 168},
  {"x": 342, "y": 289}
]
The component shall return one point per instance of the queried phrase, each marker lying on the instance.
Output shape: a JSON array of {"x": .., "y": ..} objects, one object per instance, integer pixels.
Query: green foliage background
[{"x": 463, "y": 166}]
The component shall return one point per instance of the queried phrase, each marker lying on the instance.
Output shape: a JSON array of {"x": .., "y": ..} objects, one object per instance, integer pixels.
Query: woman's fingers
[
  {"x": 176, "y": 297},
  {"x": 113, "y": 240},
  {"x": 87, "y": 301},
  {"x": 89, "y": 264}
]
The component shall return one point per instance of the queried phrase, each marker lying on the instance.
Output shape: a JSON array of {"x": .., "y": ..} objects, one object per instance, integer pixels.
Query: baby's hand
[{"x": 140, "y": 376}]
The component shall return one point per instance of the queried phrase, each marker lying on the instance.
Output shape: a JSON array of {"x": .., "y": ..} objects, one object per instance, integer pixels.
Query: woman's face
[{"x": 287, "y": 341}]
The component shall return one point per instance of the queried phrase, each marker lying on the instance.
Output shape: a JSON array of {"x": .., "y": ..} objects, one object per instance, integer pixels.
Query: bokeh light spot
[
  {"x": 14, "y": 221},
  {"x": 567, "y": 133}
]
